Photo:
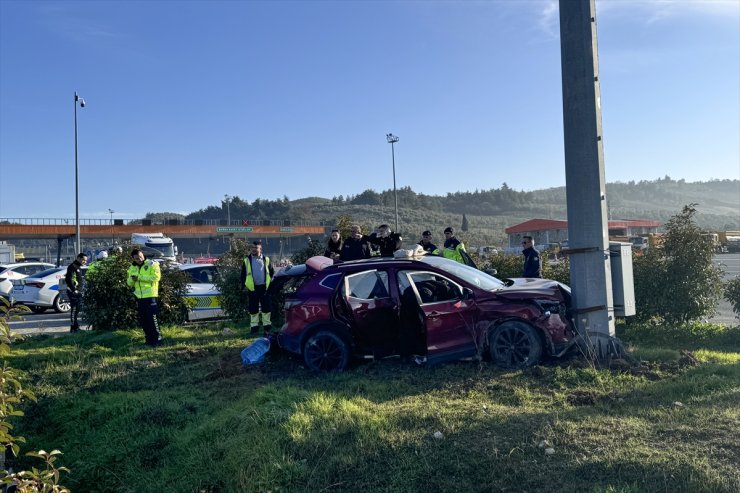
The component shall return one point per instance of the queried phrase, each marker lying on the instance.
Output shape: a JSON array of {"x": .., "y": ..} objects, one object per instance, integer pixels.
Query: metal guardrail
[{"x": 26, "y": 221}]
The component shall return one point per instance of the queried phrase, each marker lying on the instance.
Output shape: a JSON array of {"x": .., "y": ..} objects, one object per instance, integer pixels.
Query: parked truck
[
  {"x": 156, "y": 241},
  {"x": 729, "y": 241},
  {"x": 7, "y": 253}
]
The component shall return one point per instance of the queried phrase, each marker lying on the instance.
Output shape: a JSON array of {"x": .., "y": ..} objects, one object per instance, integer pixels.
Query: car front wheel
[
  {"x": 61, "y": 306},
  {"x": 515, "y": 344},
  {"x": 326, "y": 351}
]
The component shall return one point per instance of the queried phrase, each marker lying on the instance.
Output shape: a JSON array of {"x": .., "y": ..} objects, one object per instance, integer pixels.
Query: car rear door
[
  {"x": 374, "y": 312},
  {"x": 448, "y": 318}
]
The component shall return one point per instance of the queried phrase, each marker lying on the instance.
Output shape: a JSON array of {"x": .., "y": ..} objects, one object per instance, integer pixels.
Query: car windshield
[
  {"x": 167, "y": 249},
  {"x": 465, "y": 273}
]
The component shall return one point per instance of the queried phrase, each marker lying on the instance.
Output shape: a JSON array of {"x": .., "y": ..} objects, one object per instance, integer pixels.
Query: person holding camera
[{"x": 387, "y": 240}]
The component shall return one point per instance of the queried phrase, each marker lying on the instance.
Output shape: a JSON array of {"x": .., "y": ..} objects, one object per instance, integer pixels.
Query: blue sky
[{"x": 191, "y": 100}]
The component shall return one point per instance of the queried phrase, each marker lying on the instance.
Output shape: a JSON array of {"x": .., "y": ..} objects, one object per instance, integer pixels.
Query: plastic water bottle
[{"x": 255, "y": 352}]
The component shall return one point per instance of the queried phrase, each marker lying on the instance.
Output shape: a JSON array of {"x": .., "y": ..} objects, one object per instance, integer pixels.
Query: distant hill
[{"x": 489, "y": 212}]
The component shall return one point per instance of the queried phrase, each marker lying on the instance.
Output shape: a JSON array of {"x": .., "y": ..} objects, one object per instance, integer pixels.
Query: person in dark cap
[
  {"x": 426, "y": 242},
  {"x": 454, "y": 249}
]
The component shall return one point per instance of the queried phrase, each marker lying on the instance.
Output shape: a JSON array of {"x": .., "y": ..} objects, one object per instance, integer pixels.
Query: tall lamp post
[
  {"x": 227, "y": 199},
  {"x": 392, "y": 139},
  {"x": 81, "y": 102},
  {"x": 113, "y": 236}
]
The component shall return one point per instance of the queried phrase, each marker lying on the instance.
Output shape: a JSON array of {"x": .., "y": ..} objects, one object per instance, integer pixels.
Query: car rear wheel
[
  {"x": 38, "y": 309},
  {"x": 515, "y": 344},
  {"x": 61, "y": 306},
  {"x": 326, "y": 351}
]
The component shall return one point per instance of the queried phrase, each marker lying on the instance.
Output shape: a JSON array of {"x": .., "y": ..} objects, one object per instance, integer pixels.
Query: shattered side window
[{"x": 367, "y": 285}]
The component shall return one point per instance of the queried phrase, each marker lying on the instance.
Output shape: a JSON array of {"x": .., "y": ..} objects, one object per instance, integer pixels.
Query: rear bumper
[{"x": 289, "y": 343}]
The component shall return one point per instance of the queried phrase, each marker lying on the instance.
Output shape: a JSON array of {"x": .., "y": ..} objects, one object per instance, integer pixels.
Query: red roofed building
[{"x": 556, "y": 231}]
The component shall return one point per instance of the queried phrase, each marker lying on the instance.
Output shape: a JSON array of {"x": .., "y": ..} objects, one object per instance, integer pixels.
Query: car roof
[
  {"x": 18, "y": 264},
  {"x": 193, "y": 266},
  {"x": 322, "y": 264},
  {"x": 47, "y": 272}
]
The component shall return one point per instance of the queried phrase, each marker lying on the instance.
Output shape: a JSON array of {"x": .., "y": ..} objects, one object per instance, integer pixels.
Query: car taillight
[{"x": 36, "y": 284}]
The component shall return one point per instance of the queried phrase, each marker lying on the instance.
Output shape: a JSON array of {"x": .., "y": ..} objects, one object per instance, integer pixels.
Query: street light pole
[
  {"x": 81, "y": 101},
  {"x": 392, "y": 139},
  {"x": 113, "y": 236},
  {"x": 227, "y": 199}
]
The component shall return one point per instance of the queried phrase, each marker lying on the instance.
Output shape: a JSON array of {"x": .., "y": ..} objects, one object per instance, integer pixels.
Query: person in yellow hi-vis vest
[
  {"x": 255, "y": 277},
  {"x": 144, "y": 276}
]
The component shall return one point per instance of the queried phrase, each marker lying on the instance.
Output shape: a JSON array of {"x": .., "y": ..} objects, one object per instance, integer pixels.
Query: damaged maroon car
[{"x": 427, "y": 306}]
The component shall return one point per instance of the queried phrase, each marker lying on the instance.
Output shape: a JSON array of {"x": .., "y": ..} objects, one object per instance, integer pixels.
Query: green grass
[{"x": 187, "y": 417}]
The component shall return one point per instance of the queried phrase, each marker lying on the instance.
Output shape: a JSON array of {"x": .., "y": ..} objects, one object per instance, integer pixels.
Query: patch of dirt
[
  {"x": 581, "y": 398},
  {"x": 190, "y": 353},
  {"x": 688, "y": 359},
  {"x": 229, "y": 365}
]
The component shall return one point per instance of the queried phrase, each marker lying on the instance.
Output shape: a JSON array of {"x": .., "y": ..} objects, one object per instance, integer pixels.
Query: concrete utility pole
[{"x": 588, "y": 228}]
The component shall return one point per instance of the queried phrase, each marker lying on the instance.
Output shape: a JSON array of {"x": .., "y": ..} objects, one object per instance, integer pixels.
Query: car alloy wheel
[
  {"x": 515, "y": 344},
  {"x": 326, "y": 351},
  {"x": 61, "y": 306}
]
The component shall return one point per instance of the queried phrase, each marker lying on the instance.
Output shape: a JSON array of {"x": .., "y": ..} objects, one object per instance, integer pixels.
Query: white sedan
[
  {"x": 203, "y": 290},
  {"x": 9, "y": 272},
  {"x": 41, "y": 291}
]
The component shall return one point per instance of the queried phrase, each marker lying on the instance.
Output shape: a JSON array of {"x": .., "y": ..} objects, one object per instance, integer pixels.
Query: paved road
[
  {"x": 730, "y": 263},
  {"x": 49, "y": 322},
  {"x": 58, "y": 323}
]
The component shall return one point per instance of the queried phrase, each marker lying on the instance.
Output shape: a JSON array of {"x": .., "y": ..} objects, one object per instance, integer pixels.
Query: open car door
[
  {"x": 374, "y": 312},
  {"x": 449, "y": 319}
]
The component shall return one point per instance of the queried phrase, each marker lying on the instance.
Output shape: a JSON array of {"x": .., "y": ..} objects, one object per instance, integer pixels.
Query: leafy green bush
[
  {"x": 314, "y": 248},
  {"x": 12, "y": 395},
  {"x": 513, "y": 266},
  {"x": 109, "y": 304},
  {"x": 732, "y": 294},
  {"x": 505, "y": 265},
  {"x": 233, "y": 297},
  {"x": 678, "y": 282}
]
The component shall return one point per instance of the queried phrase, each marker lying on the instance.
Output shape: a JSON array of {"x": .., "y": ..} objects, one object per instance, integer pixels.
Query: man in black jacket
[
  {"x": 531, "y": 258},
  {"x": 426, "y": 242},
  {"x": 356, "y": 246},
  {"x": 387, "y": 240},
  {"x": 73, "y": 279}
]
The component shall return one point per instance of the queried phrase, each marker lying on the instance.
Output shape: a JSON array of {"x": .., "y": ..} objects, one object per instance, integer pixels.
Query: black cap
[
  {"x": 426, "y": 233},
  {"x": 257, "y": 242},
  {"x": 449, "y": 229}
]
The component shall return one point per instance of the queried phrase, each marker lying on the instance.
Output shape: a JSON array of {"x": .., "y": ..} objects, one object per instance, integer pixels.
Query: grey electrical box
[{"x": 623, "y": 283}]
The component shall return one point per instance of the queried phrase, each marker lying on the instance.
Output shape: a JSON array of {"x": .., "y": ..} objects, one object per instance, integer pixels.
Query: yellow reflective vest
[
  {"x": 148, "y": 276},
  {"x": 249, "y": 281},
  {"x": 452, "y": 253}
]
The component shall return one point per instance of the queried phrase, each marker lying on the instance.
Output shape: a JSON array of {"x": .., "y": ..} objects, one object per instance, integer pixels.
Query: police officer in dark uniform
[
  {"x": 73, "y": 279},
  {"x": 426, "y": 242},
  {"x": 531, "y": 258}
]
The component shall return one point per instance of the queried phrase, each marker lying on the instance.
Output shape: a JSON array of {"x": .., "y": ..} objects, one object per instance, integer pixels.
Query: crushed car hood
[{"x": 518, "y": 287}]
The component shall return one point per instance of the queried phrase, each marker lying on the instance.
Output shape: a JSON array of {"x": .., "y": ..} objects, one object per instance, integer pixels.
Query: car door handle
[{"x": 434, "y": 314}]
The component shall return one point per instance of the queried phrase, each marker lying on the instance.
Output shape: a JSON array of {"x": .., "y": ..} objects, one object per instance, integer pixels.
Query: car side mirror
[{"x": 467, "y": 294}]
